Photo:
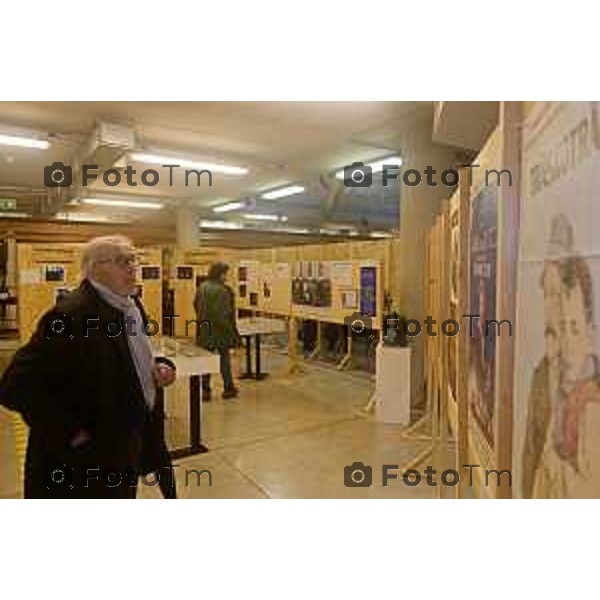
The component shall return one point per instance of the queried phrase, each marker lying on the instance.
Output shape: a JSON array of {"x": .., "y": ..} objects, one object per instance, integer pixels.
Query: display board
[
  {"x": 301, "y": 279},
  {"x": 149, "y": 282},
  {"x": 557, "y": 382},
  {"x": 455, "y": 259},
  {"x": 478, "y": 248},
  {"x": 482, "y": 286},
  {"x": 275, "y": 287},
  {"x": 45, "y": 271},
  {"x": 331, "y": 291},
  {"x": 249, "y": 282}
]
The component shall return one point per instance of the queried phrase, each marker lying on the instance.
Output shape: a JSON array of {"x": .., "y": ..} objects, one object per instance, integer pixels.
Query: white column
[
  {"x": 418, "y": 207},
  {"x": 188, "y": 231}
]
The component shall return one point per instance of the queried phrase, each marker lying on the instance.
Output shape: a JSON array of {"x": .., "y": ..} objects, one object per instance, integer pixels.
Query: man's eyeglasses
[{"x": 122, "y": 261}]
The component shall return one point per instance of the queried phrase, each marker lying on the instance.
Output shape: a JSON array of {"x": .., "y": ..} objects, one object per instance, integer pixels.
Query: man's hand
[
  {"x": 164, "y": 375},
  {"x": 81, "y": 438}
]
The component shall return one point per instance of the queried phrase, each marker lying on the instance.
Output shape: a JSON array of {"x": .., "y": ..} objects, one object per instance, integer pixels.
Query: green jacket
[{"x": 215, "y": 303}]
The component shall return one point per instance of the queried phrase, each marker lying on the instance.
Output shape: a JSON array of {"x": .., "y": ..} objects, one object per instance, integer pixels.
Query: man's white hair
[{"x": 101, "y": 248}]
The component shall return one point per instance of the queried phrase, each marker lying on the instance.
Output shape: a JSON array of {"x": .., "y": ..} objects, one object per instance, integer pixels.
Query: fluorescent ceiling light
[
  {"x": 376, "y": 166},
  {"x": 380, "y": 234},
  {"x": 220, "y": 225},
  {"x": 296, "y": 230},
  {"x": 222, "y": 208},
  {"x": 14, "y": 215},
  {"x": 82, "y": 216},
  {"x": 156, "y": 159},
  {"x": 336, "y": 231},
  {"x": 24, "y": 142},
  {"x": 262, "y": 217},
  {"x": 282, "y": 192},
  {"x": 122, "y": 203}
]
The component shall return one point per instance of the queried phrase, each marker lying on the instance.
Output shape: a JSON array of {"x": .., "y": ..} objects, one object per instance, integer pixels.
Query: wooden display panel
[
  {"x": 493, "y": 240},
  {"x": 556, "y": 380},
  {"x": 337, "y": 312},
  {"x": 269, "y": 267},
  {"x": 36, "y": 295},
  {"x": 150, "y": 263},
  {"x": 60, "y": 263}
]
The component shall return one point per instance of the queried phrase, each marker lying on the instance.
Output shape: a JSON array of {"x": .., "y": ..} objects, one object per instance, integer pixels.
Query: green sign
[{"x": 8, "y": 204}]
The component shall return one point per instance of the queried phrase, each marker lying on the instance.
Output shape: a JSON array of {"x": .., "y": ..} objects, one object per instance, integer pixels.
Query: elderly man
[{"x": 86, "y": 385}]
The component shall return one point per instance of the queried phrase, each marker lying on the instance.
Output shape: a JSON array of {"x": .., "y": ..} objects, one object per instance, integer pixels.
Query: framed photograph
[
  {"x": 54, "y": 273},
  {"x": 150, "y": 273},
  {"x": 349, "y": 299},
  {"x": 185, "y": 272}
]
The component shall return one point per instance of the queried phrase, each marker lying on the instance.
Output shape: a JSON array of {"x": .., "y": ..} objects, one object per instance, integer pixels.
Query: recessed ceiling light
[
  {"x": 282, "y": 192},
  {"x": 157, "y": 159}
]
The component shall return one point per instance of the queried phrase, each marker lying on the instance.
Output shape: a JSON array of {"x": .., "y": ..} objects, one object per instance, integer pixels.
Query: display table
[
  {"x": 255, "y": 327},
  {"x": 190, "y": 361},
  {"x": 392, "y": 385}
]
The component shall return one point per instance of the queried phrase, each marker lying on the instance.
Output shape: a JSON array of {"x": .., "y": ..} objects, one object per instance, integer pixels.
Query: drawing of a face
[{"x": 576, "y": 336}]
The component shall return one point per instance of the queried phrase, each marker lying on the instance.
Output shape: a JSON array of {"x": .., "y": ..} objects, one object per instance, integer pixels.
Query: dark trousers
[
  {"x": 155, "y": 455},
  {"x": 165, "y": 475},
  {"x": 225, "y": 372}
]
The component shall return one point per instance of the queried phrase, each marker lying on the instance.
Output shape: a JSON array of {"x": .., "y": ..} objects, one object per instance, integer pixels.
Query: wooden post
[
  {"x": 462, "y": 399},
  {"x": 508, "y": 248},
  {"x": 444, "y": 295}
]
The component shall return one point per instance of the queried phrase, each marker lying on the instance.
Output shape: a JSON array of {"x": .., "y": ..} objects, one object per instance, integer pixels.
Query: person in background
[
  {"x": 86, "y": 384},
  {"x": 215, "y": 303}
]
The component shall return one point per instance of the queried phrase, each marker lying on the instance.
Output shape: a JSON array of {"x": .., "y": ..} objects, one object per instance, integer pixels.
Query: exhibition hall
[{"x": 346, "y": 300}]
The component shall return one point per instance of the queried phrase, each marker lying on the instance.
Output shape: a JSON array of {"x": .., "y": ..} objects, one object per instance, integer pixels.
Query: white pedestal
[{"x": 392, "y": 386}]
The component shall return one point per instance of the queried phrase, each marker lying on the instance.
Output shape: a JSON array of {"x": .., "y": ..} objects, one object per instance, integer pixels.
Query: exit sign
[{"x": 8, "y": 204}]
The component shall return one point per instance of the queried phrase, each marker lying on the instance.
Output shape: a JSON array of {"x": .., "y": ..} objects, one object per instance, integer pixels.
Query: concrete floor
[{"x": 289, "y": 436}]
